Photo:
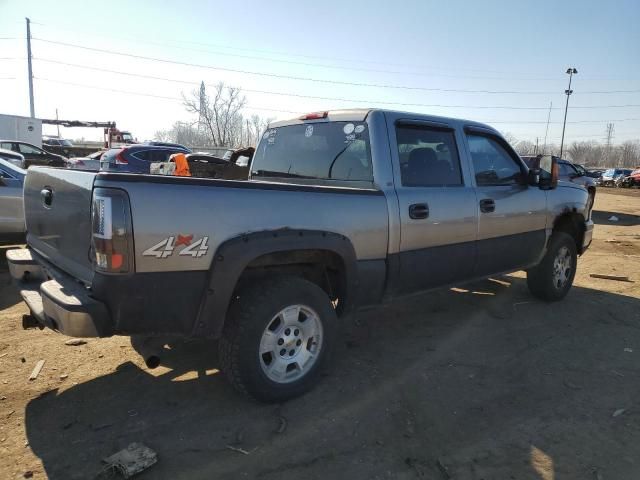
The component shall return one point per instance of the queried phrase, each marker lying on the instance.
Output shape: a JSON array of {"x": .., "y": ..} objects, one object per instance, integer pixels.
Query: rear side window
[
  {"x": 326, "y": 151},
  {"x": 428, "y": 157},
  {"x": 492, "y": 163}
]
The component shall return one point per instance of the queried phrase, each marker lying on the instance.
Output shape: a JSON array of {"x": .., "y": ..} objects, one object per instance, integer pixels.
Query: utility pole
[
  {"x": 57, "y": 125},
  {"x": 607, "y": 152},
  {"x": 32, "y": 109},
  {"x": 536, "y": 151},
  {"x": 546, "y": 132},
  {"x": 570, "y": 71}
]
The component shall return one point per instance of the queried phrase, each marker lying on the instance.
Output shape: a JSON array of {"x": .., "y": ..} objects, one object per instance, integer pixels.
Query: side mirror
[{"x": 546, "y": 170}]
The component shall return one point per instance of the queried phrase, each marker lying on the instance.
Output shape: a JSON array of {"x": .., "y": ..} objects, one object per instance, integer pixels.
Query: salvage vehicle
[
  {"x": 632, "y": 179},
  {"x": 570, "y": 172},
  {"x": 90, "y": 162},
  {"x": 12, "y": 226},
  {"x": 33, "y": 155},
  {"x": 343, "y": 210},
  {"x": 138, "y": 158},
  {"x": 610, "y": 176},
  {"x": 13, "y": 157}
]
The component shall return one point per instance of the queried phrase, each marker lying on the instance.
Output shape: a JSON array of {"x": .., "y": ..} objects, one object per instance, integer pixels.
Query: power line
[
  {"x": 187, "y": 82},
  {"x": 172, "y": 44},
  {"x": 296, "y": 113},
  {"x": 163, "y": 97},
  {"x": 324, "y": 65},
  {"x": 272, "y": 52},
  {"x": 307, "y": 79}
]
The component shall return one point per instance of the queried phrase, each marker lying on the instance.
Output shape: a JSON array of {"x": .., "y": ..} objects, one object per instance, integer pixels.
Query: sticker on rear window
[
  {"x": 360, "y": 128},
  {"x": 348, "y": 128},
  {"x": 308, "y": 131}
]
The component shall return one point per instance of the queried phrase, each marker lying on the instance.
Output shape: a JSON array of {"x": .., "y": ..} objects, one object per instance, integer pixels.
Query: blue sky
[{"x": 495, "y": 46}]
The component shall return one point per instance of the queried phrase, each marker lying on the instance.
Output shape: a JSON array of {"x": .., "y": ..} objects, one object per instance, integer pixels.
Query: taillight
[
  {"x": 314, "y": 116},
  {"x": 120, "y": 160},
  {"x": 112, "y": 239}
]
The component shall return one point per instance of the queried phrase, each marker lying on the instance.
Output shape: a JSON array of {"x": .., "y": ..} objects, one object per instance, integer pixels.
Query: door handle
[
  {"x": 419, "y": 211},
  {"x": 487, "y": 205}
]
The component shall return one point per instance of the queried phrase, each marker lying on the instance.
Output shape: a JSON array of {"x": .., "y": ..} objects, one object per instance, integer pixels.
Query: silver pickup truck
[{"x": 342, "y": 210}]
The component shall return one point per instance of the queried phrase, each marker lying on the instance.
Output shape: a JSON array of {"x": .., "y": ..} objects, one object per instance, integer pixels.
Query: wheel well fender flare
[{"x": 234, "y": 255}]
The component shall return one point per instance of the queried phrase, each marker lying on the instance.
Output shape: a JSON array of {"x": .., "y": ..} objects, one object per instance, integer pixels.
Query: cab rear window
[{"x": 326, "y": 151}]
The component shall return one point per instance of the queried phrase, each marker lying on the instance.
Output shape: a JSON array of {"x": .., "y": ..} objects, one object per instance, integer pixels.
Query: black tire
[
  {"x": 541, "y": 280},
  {"x": 248, "y": 319}
]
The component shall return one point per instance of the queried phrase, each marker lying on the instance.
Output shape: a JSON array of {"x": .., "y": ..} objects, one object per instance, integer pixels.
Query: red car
[{"x": 633, "y": 180}]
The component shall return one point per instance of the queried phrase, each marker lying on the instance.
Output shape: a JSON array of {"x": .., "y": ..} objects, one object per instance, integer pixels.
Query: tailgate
[{"x": 57, "y": 205}]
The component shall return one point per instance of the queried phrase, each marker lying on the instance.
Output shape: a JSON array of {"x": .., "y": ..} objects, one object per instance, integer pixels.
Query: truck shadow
[
  {"x": 600, "y": 217},
  {"x": 482, "y": 381}
]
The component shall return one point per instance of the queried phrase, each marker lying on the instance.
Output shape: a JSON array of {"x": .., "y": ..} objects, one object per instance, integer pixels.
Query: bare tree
[{"x": 220, "y": 113}]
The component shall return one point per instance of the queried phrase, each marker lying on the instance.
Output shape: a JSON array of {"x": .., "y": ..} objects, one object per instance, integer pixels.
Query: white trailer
[{"x": 24, "y": 129}]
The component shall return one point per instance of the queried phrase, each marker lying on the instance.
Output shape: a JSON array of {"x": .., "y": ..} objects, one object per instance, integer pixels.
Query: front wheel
[
  {"x": 552, "y": 278},
  {"x": 277, "y": 337}
]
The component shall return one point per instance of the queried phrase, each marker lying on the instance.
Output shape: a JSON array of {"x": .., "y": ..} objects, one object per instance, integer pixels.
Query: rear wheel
[
  {"x": 277, "y": 338},
  {"x": 552, "y": 278}
]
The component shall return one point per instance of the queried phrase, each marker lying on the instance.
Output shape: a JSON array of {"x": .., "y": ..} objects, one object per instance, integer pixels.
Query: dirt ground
[{"x": 481, "y": 382}]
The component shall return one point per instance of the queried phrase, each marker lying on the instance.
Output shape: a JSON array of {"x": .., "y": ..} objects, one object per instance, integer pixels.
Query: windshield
[
  {"x": 127, "y": 137},
  {"x": 327, "y": 151},
  {"x": 66, "y": 143}
]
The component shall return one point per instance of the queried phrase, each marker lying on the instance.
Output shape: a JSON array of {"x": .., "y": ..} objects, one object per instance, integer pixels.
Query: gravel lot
[{"x": 481, "y": 382}]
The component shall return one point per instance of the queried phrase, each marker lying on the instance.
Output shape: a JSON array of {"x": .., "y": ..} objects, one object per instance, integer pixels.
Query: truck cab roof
[{"x": 361, "y": 114}]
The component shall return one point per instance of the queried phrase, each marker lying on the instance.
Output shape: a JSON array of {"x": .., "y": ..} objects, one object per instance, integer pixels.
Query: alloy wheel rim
[
  {"x": 562, "y": 266},
  {"x": 290, "y": 344}
]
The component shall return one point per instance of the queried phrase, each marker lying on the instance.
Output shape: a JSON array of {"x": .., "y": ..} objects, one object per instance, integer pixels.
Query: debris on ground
[
  {"x": 28, "y": 474},
  {"x": 613, "y": 218},
  {"x": 619, "y": 412},
  {"x": 628, "y": 350},
  {"x": 612, "y": 240},
  {"x": 282, "y": 426},
  {"x": 238, "y": 449},
  {"x": 64, "y": 376},
  {"x": 131, "y": 460},
  {"x": 620, "y": 278},
  {"x": 74, "y": 342},
  {"x": 36, "y": 370},
  {"x": 443, "y": 469}
]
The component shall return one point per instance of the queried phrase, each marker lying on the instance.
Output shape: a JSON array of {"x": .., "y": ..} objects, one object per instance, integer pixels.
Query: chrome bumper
[{"x": 55, "y": 299}]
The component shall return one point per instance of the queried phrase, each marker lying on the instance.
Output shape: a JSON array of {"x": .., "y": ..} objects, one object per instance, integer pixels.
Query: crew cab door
[
  {"x": 438, "y": 214},
  {"x": 511, "y": 214}
]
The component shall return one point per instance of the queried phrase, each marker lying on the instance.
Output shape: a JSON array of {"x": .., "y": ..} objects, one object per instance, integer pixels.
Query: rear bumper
[
  {"x": 56, "y": 299},
  {"x": 588, "y": 235}
]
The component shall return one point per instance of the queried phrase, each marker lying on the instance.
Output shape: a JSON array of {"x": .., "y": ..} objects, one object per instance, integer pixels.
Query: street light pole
[{"x": 571, "y": 71}]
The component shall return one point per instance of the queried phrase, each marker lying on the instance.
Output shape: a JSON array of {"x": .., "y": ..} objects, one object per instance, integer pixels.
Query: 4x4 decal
[{"x": 166, "y": 247}]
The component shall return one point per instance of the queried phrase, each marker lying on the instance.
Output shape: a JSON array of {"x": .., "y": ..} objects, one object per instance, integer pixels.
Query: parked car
[
  {"x": 59, "y": 146},
  {"x": 137, "y": 158},
  {"x": 610, "y": 176},
  {"x": 628, "y": 181},
  {"x": 90, "y": 162},
  {"x": 13, "y": 157},
  {"x": 342, "y": 210},
  {"x": 33, "y": 155},
  {"x": 168, "y": 144},
  {"x": 570, "y": 172},
  {"x": 12, "y": 225}
]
